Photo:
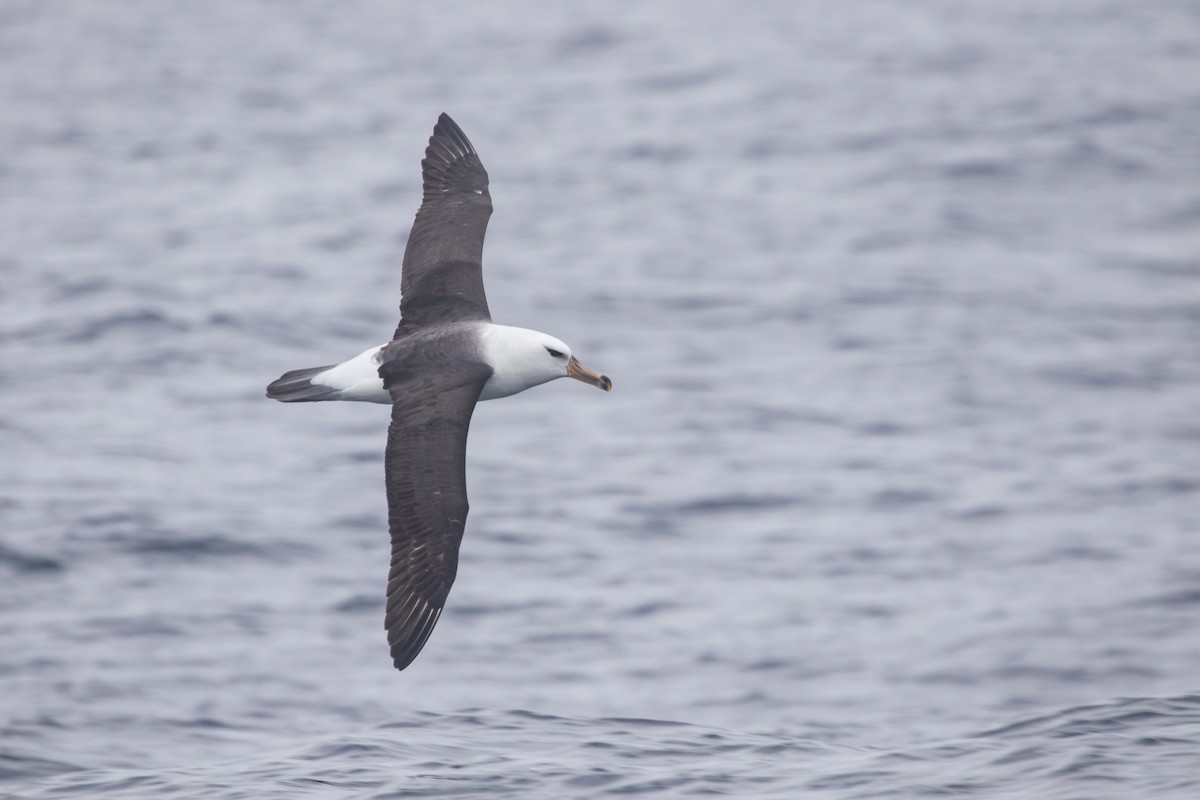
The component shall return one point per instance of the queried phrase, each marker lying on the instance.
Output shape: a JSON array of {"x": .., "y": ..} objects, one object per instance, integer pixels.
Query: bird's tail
[{"x": 297, "y": 387}]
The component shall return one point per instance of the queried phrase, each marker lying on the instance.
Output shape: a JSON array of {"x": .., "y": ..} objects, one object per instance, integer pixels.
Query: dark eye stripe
[{"x": 553, "y": 352}]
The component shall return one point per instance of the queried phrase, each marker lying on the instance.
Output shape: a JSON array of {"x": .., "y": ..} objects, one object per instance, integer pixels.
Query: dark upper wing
[
  {"x": 425, "y": 468},
  {"x": 442, "y": 280}
]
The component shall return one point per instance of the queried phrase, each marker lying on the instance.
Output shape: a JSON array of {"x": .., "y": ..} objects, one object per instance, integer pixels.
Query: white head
[{"x": 521, "y": 358}]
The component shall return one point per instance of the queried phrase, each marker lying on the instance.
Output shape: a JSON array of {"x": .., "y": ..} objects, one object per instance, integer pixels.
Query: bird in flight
[{"x": 445, "y": 356}]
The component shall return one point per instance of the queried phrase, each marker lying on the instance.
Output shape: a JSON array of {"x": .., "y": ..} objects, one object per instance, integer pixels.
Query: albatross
[{"x": 445, "y": 356}]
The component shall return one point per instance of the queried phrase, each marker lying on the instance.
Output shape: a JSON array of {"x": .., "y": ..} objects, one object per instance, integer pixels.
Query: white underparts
[
  {"x": 520, "y": 358},
  {"x": 357, "y": 379}
]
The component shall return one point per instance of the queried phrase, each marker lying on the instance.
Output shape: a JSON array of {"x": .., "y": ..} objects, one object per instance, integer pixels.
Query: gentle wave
[{"x": 1090, "y": 751}]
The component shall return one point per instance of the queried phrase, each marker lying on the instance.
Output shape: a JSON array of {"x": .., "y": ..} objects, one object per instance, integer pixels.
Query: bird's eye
[{"x": 554, "y": 353}]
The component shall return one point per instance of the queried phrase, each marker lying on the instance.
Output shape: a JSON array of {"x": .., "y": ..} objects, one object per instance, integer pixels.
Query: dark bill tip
[{"x": 576, "y": 370}]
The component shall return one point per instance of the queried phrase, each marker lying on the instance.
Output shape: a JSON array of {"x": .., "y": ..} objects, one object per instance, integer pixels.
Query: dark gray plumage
[
  {"x": 425, "y": 475},
  {"x": 425, "y": 463},
  {"x": 442, "y": 280},
  {"x": 446, "y": 356}
]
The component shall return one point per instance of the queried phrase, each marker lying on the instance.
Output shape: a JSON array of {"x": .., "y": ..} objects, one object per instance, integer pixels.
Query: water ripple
[{"x": 520, "y": 753}]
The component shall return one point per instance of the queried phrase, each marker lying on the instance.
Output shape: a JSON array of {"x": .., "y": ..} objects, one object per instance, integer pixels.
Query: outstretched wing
[
  {"x": 442, "y": 278},
  {"x": 425, "y": 473}
]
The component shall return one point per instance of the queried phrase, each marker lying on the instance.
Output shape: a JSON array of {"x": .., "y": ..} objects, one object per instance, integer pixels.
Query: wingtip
[
  {"x": 401, "y": 660},
  {"x": 447, "y": 131},
  {"x": 408, "y": 627},
  {"x": 451, "y": 163}
]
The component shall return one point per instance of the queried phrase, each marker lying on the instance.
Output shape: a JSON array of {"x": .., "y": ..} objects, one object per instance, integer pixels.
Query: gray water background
[{"x": 895, "y": 495}]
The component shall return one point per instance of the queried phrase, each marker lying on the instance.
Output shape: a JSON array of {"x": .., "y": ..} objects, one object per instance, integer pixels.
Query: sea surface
[{"x": 897, "y": 493}]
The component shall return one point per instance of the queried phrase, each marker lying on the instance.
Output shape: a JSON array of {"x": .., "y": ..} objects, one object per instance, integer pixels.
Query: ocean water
[{"x": 897, "y": 493}]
